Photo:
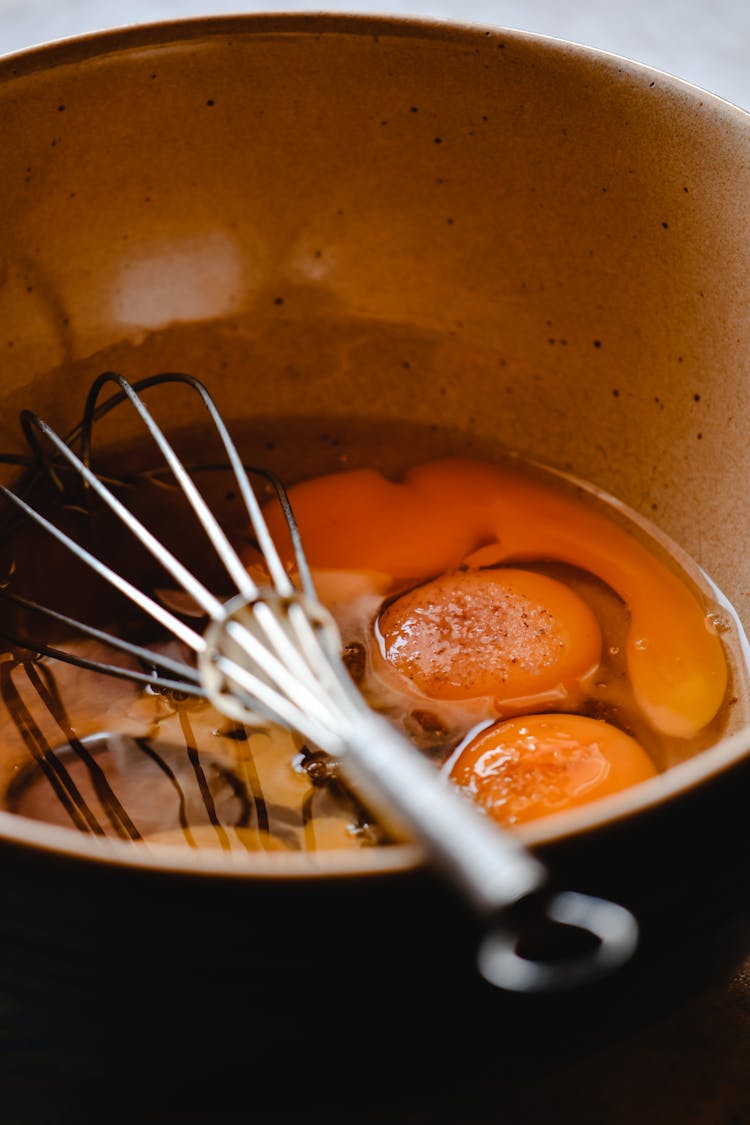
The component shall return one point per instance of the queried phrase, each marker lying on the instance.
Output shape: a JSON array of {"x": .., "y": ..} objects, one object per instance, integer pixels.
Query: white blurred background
[{"x": 706, "y": 42}]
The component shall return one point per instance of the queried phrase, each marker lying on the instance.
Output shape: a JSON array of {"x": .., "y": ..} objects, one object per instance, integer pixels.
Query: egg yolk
[
  {"x": 516, "y": 635},
  {"x": 455, "y": 512},
  {"x": 525, "y": 768}
]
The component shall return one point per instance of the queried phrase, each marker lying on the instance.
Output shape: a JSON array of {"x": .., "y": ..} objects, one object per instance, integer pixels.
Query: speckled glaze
[{"x": 378, "y": 218}]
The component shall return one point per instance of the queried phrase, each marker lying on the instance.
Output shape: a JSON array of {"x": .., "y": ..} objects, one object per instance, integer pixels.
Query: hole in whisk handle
[{"x": 549, "y": 943}]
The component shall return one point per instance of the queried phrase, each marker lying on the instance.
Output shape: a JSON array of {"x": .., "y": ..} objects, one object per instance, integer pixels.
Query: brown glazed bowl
[{"x": 517, "y": 240}]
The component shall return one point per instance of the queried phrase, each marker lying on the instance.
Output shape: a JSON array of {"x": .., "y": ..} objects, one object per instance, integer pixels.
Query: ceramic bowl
[{"x": 517, "y": 241}]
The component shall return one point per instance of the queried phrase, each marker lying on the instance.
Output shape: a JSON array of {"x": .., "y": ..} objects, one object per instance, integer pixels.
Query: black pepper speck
[{"x": 236, "y": 733}]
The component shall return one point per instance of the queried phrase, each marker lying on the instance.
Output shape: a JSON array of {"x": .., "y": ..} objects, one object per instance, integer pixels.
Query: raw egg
[
  {"x": 499, "y": 596},
  {"x": 518, "y": 636},
  {"x": 525, "y": 768},
  {"x": 448, "y": 513}
]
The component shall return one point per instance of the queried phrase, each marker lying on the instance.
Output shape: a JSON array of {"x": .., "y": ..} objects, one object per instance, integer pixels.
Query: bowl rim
[
  {"x": 96, "y": 43},
  {"x": 607, "y": 812}
]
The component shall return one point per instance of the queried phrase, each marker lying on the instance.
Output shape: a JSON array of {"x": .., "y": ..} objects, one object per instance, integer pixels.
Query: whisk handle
[
  {"x": 503, "y": 882},
  {"x": 495, "y": 873},
  {"x": 489, "y": 865}
]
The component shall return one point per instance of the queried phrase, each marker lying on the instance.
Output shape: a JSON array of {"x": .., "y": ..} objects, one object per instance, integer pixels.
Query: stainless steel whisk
[{"x": 273, "y": 652}]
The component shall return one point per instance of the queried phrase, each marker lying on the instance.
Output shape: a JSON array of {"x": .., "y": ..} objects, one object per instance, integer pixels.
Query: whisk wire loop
[
  {"x": 224, "y": 549},
  {"x": 155, "y": 610},
  {"x": 208, "y": 602},
  {"x": 187, "y": 678}
]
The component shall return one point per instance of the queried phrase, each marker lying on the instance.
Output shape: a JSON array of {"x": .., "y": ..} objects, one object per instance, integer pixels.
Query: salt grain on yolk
[
  {"x": 523, "y": 769},
  {"x": 513, "y": 634}
]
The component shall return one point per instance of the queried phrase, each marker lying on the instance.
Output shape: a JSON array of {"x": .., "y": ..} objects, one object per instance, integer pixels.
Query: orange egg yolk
[
  {"x": 449, "y": 513},
  {"x": 525, "y": 768},
  {"x": 520, "y": 637}
]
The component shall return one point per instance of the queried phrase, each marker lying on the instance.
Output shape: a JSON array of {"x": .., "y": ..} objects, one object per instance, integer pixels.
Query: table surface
[{"x": 689, "y": 1063}]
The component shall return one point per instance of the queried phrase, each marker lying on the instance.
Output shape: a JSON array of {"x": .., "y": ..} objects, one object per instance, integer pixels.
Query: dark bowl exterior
[{"x": 116, "y": 975}]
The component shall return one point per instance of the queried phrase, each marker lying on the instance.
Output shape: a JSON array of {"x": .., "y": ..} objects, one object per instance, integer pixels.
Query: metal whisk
[{"x": 273, "y": 652}]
